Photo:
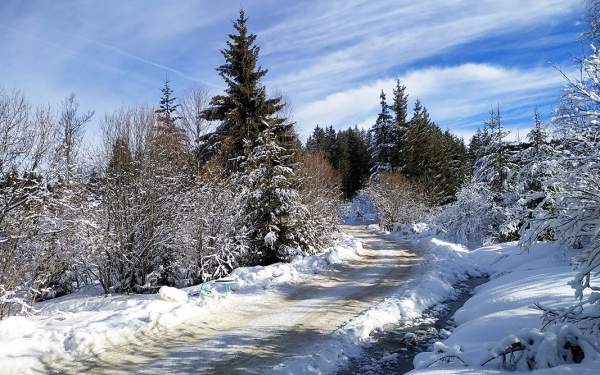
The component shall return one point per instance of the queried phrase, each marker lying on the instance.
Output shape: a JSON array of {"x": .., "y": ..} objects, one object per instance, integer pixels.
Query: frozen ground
[
  {"x": 274, "y": 314},
  {"x": 308, "y": 316}
]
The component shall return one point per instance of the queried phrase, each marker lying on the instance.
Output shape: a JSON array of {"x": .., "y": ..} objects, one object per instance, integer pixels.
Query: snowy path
[{"x": 256, "y": 332}]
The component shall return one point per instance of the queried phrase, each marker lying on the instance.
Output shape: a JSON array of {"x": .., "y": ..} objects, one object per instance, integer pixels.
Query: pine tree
[
  {"x": 382, "y": 141},
  {"x": 169, "y": 140},
  {"x": 537, "y": 136},
  {"x": 414, "y": 140},
  {"x": 348, "y": 153},
  {"x": 272, "y": 209},
  {"x": 245, "y": 103},
  {"x": 168, "y": 107},
  {"x": 399, "y": 107}
]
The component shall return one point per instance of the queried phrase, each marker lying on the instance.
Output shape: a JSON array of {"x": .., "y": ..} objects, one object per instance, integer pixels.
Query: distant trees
[
  {"x": 416, "y": 148},
  {"x": 347, "y": 151}
]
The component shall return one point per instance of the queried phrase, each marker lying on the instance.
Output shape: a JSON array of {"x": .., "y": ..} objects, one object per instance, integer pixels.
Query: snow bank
[
  {"x": 89, "y": 322},
  {"x": 444, "y": 264},
  {"x": 167, "y": 293},
  {"x": 16, "y": 327},
  {"x": 498, "y": 308},
  {"x": 501, "y": 310}
]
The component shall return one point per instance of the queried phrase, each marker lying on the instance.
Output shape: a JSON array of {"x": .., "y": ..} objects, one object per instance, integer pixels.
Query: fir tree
[
  {"x": 272, "y": 209},
  {"x": 382, "y": 141},
  {"x": 168, "y": 107},
  {"x": 245, "y": 103},
  {"x": 537, "y": 136},
  {"x": 399, "y": 107},
  {"x": 492, "y": 164}
]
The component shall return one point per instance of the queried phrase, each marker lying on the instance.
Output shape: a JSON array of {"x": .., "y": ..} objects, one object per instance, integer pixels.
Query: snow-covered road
[{"x": 255, "y": 333}]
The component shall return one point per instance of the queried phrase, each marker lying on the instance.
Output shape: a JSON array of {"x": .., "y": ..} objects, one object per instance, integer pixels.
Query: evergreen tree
[
  {"x": 322, "y": 141},
  {"x": 245, "y": 103},
  {"x": 492, "y": 164},
  {"x": 537, "y": 136},
  {"x": 399, "y": 107},
  {"x": 272, "y": 209},
  {"x": 477, "y": 146},
  {"x": 414, "y": 139},
  {"x": 382, "y": 141},
  {"x": 359, "y": 162},
  {"x": 348, "y": 153},
  {"x": 168, "y": 107}
]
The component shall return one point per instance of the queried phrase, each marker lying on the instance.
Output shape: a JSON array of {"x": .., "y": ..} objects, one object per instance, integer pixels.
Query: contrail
[
  {"x": 114, "y": 50},
  {"x": 143, "y": 60}
]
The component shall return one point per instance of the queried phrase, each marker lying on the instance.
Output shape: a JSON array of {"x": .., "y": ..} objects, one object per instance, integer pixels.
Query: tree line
[{"x": 415, "y": 148}]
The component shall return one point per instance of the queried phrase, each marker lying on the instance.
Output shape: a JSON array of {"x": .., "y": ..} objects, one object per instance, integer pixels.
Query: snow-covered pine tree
[
  {"x": 272, "y": 208},
  {"x": 491, "y": 165},
  {"x": 382, "y": 139}
]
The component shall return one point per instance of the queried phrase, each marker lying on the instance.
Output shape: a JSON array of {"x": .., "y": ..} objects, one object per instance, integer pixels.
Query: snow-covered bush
[
  {"x": 573, "y": 194},
  {"x": 472, "y": 220},
  {"x": 398, "y": 199},
  {"x": 36, "y": 207},
  {"x": 531, "y": 349},
  {"x": 212, "y": 243}
]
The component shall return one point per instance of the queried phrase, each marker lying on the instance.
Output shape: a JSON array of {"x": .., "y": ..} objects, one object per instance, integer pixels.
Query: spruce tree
[
  {"x": 169, "y": 143},
  {"x": 537, "y": 135},
  {"x": 244, "y": 104},
  {"x": 382, "y": 141},
  {"x": 167, "y": 107},
  {"x": 272, "y": 209},
  {"x": 399, "y": 107},
  {"x": 492, "y": 162},
  {"x": 414, "y": 140}
]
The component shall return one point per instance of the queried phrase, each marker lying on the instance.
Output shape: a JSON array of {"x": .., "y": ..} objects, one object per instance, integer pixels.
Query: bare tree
[
  {"x": 398, "y": 199},
  {"x": 70, "y": 127},
  {"x": 195, "y": 125},
  {"x": 25, "y": 221},
  {"x": 321, "y": 193}
]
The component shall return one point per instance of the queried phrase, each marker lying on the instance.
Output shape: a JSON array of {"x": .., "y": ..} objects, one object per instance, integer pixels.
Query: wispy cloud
[
  {"x": 364, "y": 39},
  {"x": 456, "y": 96}
]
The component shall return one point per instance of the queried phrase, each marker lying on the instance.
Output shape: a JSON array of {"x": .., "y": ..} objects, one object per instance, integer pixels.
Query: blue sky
[{"x": 329, "y": 58}]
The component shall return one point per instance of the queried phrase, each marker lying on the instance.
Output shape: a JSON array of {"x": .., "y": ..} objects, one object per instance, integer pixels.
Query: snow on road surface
[{"x": 256, "y": 333}]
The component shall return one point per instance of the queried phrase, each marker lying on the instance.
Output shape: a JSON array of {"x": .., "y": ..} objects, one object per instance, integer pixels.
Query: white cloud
[
  {"x": 452, "y": 95},
  {"x": 340, "y": 45}
]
